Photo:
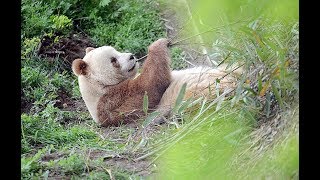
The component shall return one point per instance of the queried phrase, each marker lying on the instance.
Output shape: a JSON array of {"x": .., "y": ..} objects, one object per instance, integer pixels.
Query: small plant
[
  {"x": 74, "y": 164},
  {"x": 29, "y": 47},
  {"x": 61, "y": 23},
  {"x": 178, "y": 61},
  {"x": 30, "y": 165}
]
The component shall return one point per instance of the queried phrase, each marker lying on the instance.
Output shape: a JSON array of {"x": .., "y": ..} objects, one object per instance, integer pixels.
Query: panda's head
[{"x": 105, "y": 65}]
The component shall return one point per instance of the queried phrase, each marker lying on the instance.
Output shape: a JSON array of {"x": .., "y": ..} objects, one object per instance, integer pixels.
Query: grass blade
[
  {"x": 264, "y": 88},
  {"x": 180, "y": 97},
  {"x": 151, "y": 117},
  {"x": 195, "y": 102},
  {"x": 220, "y": 102},
  {"x": 184, "y": 105},
  {"x": 277, "y": 94}
]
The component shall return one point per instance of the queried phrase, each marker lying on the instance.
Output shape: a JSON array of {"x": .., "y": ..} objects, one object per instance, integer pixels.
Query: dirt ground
[{"x": 68, "y": 48}]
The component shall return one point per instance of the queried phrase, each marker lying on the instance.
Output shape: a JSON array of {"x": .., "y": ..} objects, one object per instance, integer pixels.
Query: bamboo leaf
[
  {"x": 264, "y": 88},
  {"x": 195, "y": 102},
  {"x": 246, "y": 30},
  {"x": 180, "y": 97},
  {"x": 272, "y": 45},
  {"x": 230, "y": 138},
  {"x": 257, "y": 38},
  {"x": 260, "y": 54},
  {"x": 277, "y": 94},
  {"x": 250, "y": 90},
  {"x": 202, "y": 106},
  {"x": 184, "y": 105},
  {"x": 151, "y": 117},
  {"x": 220, "y": 102}
]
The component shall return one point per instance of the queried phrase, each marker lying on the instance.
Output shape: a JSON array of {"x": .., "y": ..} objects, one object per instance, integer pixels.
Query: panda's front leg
[{"x": 156, "y": 72}]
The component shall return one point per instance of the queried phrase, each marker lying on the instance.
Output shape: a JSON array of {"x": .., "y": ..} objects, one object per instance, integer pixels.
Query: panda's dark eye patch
[
  {"x": 113, "y": 60},
  {"x": 115, "y": 63}
]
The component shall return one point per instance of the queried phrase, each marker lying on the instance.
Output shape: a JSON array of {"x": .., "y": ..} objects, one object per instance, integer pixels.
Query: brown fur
[
  {"x": 79, "y": 67},
  {"x": 123, "y": 102}
]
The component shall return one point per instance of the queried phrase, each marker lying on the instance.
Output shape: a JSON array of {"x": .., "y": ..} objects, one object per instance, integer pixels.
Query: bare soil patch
[
  {"x": 140, "y": 168},
  {"x": 52, "y": 156},
  {"x": 69, "y": 48}
]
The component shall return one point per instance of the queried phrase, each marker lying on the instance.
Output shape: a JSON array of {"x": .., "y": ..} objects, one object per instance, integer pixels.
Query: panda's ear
[
  {"x": 88, "y": 49},
  {"x": 79, "y": 67}
]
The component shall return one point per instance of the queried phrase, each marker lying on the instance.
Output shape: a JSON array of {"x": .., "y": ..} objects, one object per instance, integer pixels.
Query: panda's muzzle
[
  {"x": 132, "y": 58},
  {"x": 132, "y": 67}
]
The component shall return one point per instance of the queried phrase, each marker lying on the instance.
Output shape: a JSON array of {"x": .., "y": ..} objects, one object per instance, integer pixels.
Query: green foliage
[
  {"x": 99, "y": 175},
  {"x": 150, "y": 118},
  {"x": 131, "y": 26},
  {"x": 76, "y": 90},
  {"x": 30, "y": 165},
  {"x": 42, "y": 88},
  {"x": 74, "y": 164},
  {"x": 104, "y": 3},
  {"x": 213, "y": 140},
  {"x": 35, "y": 17},
  {"x": 44, "y": 128},
  {"x": 29, "y": 47},
  {"x": 126, "y": 25},
  {"x": 273, "y": 52},
  {"x": 177, "y": 61},
  {"x": 60, "y": 23}
]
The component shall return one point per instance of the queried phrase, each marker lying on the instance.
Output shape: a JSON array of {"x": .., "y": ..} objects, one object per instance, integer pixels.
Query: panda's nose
[{"x": 132, "y": 57}]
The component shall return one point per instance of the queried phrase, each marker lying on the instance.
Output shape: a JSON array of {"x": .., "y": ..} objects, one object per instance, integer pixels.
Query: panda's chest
[{"x": 91, "y": 97}]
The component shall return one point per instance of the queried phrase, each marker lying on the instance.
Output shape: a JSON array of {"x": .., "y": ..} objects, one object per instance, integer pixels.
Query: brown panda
[{"x": 114, "y": 94}]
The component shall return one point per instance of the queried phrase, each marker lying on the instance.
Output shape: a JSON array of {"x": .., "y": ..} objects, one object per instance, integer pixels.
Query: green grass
[
  {"x": 127, "y": 28},
  {"x": 177, "y": 61}
]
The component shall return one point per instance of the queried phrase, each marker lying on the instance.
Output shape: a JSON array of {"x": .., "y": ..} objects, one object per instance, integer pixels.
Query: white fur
[
  {"x": 198, "y": 80},
  {"x": 102, "y": 70}
]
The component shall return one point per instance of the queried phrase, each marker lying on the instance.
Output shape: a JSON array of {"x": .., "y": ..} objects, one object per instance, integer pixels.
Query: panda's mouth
[{"x": 132, "y": 67}]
